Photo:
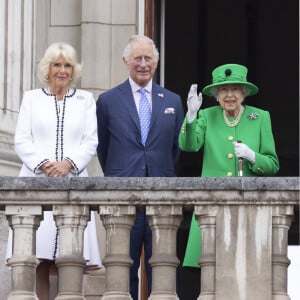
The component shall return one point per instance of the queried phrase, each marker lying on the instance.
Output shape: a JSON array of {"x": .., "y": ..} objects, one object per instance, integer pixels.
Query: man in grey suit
[{"x": 138, "y": 128}]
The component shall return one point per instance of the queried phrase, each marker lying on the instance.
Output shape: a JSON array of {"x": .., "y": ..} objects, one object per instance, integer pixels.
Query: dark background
[{"x": 260, "y": 34}]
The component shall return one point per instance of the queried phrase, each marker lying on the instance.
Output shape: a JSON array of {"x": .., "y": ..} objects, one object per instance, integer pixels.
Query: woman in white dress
[{"x": 56, "y": 135}]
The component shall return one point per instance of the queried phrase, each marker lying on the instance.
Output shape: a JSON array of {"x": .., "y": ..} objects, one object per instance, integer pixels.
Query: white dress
[{"x": 51, "y": 130}]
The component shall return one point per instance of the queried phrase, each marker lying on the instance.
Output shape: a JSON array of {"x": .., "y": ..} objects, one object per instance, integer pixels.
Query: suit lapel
[
  {"x": 127, "y": 100},
  {"x": 157, "y": 102}
]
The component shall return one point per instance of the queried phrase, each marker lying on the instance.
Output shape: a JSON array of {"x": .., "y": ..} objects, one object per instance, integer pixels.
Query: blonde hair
[{"x": 52, "y": 53}]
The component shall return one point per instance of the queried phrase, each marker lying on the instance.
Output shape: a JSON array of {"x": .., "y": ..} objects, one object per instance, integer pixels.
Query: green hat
[{"x": 230, "y": 74}]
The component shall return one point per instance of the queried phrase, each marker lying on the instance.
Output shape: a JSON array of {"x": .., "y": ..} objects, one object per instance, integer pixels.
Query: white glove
[
  {"x": 243, "y": 151},
  {"x": 194, "y": 102}
]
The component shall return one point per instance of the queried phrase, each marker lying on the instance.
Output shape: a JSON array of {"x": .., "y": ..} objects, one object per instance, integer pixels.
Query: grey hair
[
  {"x": 135, "y": 39},
  {"x": 52, "y": 53},
  {"x": 245, "y": 90}
]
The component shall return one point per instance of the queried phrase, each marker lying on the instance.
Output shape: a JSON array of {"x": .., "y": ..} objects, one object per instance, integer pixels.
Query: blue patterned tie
[{"x": 145, "y": 115}]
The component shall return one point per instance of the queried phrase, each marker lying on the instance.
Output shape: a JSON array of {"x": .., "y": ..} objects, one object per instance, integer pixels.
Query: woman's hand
[
  {"x": 57, "y": 168},
  {"x": 194, "y": 103},
  {"x": 243, "y": 151}
]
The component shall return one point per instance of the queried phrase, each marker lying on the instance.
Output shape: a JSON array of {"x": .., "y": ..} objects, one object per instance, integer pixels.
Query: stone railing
[{"x": 244, "y": 224}]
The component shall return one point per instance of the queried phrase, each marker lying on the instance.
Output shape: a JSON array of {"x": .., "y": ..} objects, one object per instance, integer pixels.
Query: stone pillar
[
  {"x": 94, "y": 282},
  {"x": 117, "y": 221},
  {"x": 164, "y": 221},
  {"x": 106, "y": 27},
  {"x": 243, "y": 251},
  {"x": 16, "y": 74},
  {"x": 24, "y": 221},
  {"x": 282, "y": 219},
  {"x": 206, "y": 217},
  {"x": 71, "y": 221}
]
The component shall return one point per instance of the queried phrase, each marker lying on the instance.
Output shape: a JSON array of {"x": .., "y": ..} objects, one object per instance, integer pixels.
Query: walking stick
[{"x": 240, "y": 164}]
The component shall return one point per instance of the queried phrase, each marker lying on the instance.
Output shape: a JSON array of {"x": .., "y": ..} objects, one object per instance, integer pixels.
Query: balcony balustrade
[{"x": 244, "y": 222}]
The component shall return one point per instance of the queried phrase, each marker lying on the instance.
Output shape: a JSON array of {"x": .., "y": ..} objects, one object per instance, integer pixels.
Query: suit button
[
  {"x": 230, "y": 155},
  {"x": 229, "y": 174},
  {"x": 230, "y": 138}
]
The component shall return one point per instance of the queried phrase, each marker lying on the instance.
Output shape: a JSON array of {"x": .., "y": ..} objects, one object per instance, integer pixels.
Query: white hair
[
  {"x": 135, "y": 39},
  {"x": 245, "y": 90}
]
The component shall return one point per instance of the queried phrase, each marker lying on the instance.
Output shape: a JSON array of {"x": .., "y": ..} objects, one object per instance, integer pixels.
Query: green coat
[{"x": 210, "y": 131}]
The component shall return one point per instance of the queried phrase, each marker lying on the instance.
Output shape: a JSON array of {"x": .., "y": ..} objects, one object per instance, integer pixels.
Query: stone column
[
  {"x": 71, "y": 221},
  {"x": 114, "y": 22},
  {"x": 282, "y": 219},
  {"x": 16, "y": 74},
  {"x": 117, "y": 221},
  {"x": 94, "y": 281},
  {"x": 164, "y": 221},
  {"x": 24, "y": 221},
  {"x": 206, "y": 217}
]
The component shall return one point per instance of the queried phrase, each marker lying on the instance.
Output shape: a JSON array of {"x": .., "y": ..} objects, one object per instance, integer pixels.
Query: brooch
[
  {"x": 160, "y": 95},
  {"x": 252, "y": 116}
]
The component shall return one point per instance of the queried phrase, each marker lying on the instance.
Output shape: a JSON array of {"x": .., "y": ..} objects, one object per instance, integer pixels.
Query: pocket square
[{"x": 170, "y": 110}]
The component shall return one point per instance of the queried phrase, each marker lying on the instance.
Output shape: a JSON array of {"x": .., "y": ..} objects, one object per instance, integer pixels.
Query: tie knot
[{"x": 142, "y": 91}]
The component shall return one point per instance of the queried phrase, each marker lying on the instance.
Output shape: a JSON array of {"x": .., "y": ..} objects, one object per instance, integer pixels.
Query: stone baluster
[
  {"x": 164, "y": 221},
  {"x": 71, "y": 221},
  {"x": 117, "y": 221},
  {"x": 281, "y": 222},
  {"x": 206, "y": 217},
  {"x": 24, "y": 221}
]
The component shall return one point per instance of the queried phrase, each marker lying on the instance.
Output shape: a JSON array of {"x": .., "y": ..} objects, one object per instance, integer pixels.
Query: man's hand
[
  {"x": 243, "y": 151},
  {"x": 194, "y": 103}
]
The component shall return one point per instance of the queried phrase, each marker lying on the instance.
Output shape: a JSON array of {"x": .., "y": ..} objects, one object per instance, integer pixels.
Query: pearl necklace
[{"x": 236, "y": 120}]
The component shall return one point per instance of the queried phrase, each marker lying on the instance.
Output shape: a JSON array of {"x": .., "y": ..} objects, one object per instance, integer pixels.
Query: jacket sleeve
[
  {"x": 81, "y": 156},
  {"x": 24, "y": 145},
  {"x": 266, "y": 160},
  {"x": 191, "y": 137},
  {"x": 102, "y": 132}
]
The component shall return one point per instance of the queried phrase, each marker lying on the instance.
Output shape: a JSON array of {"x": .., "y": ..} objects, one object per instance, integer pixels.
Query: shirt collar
[{"x": 135, "y": 87}]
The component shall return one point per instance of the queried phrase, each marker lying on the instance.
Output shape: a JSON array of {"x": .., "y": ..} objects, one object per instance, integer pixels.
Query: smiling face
[
  {"x": 60, "y": 75},
  {"x": 141, "y": 63},
  {"x": 230, "y": 97}
]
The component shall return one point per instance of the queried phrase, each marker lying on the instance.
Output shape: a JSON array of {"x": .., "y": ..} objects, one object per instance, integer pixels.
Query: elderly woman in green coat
[{"x": 229, "y": 132}]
